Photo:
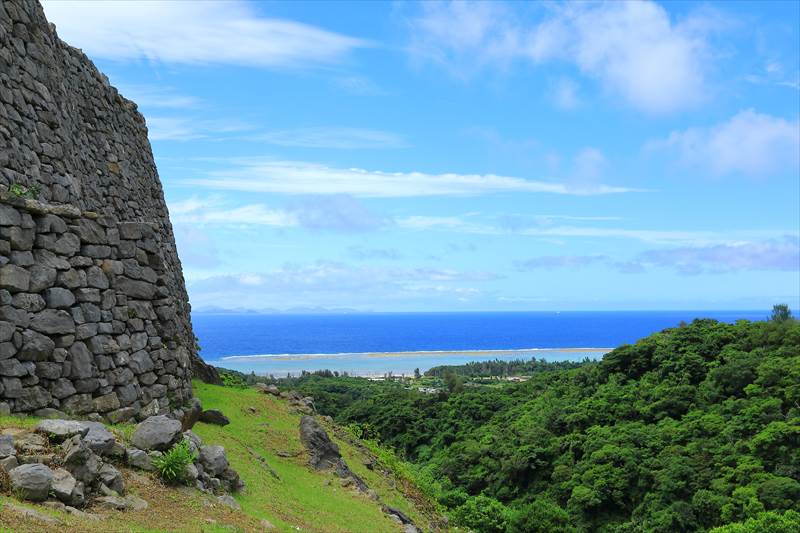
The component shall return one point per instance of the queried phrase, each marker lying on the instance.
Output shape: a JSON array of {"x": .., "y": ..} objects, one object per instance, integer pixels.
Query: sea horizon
[{"x": 369, "y": 344}]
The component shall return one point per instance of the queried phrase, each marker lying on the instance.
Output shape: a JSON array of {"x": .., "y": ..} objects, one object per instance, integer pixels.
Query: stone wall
[
  {"x": 68, "y": 139},
  {"x": 87, "y": 322}
]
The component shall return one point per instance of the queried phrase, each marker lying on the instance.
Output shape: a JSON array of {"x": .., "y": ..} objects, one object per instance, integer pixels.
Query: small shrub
[
  {"x": 230, "y": 379},
  {"x": 173, "y": 465},
  {"x": 363, "y": 431},
  {"x": 22, "y": 191},
  {"x": 484, "y": 514}
]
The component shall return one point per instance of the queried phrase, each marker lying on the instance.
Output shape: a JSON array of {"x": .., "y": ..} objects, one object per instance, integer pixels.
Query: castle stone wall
[{"x": 72, "y": 143}]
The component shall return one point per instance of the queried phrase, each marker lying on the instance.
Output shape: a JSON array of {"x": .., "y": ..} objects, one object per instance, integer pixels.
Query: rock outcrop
[
  {"x": 324, "y": 453},
  {"x": 94, "y": 315}
]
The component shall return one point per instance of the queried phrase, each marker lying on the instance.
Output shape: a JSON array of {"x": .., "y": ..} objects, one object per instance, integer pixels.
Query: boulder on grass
[
  {"x": 7, "y": 448},
  {"x": 213, "y": 459},
  {"x": 156, "y": 433},
  {"x": 66, "y": 488},
  {"x": 80, "y": 460},
  {"x": 214, "y": 416},
  {"x": 138, "y": 459},
  {"x": 99, "y": 439},
  {"x": 60, "y": 430},
  {"x": 31, "y": 481}
]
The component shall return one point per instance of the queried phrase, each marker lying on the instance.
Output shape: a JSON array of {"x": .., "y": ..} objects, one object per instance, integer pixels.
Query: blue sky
[{"x": 468, "y": 156}]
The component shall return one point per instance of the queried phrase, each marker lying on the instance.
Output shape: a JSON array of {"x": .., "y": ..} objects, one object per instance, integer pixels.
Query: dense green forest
[
  {"x": 499, "y": 368},
  {"x": 689, "y": 429}
]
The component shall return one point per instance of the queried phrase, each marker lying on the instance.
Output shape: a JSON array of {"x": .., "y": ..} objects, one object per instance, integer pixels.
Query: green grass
[
  {"x": 297, "y": 497},
  {"x": 18, "y": 421}
]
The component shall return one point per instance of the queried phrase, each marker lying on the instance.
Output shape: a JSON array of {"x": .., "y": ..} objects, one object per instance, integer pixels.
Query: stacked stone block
[{"x": 87, "y": 322}]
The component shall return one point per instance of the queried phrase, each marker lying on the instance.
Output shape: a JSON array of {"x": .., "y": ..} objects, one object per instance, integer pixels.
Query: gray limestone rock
[
  {"x": 14, "y": 278},
  {"x": 53, "y": 322},
  {"x": 213, "y": 459},
  {"x": 138, "y": 459},
  {"x": 80, "y": 460},
  {"x": 111, "y": 478},
  {"x": 59, "y": 298},
  {"x": 99, "y": 439},
  {"x": 60, "y": 430},
  {"x": 119, "y": 503},
  {"x": 105, "y": 403},
  {"x": 156, "y": 433},
  {"x": 6, "y": 446},
  {"x": 64, "y": 486},
  {"x": 35, "y": 346},
  {"x": 31, "y": 481}
]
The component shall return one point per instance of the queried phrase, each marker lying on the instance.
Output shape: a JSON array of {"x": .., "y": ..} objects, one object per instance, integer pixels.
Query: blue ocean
[{"x": 378, "y": 343}]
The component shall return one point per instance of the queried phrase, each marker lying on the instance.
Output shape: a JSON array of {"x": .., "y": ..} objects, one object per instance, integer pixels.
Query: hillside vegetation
[{"x": 688, "y": 429}]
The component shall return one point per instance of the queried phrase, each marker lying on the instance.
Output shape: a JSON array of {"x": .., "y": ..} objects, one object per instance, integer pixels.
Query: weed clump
[{"x": 173, "y": 466}]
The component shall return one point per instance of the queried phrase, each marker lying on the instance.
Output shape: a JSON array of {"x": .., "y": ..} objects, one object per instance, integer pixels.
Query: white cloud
[
  {"x": 336, "y": 213},
  {"x": 364, "y": 254},
  {"x": 338, "y": 138},
  {"x": 187, "y": 129},
  {"x": 231, "y": 32},
  {"x": 773, "y": 73},
  {"x": 632, "y": 48},
  {"x": 545, "y": 228},
  {"x": 252, "y": 214},
  {"x": 153, "y": 96},
  {"x": 359, "y": 85},
  {"x": 750, "y": 143},
  {"x": 554, "y": 262},
  {"x": 294, "y": 177},
  {"x": 781, "y": 255}
]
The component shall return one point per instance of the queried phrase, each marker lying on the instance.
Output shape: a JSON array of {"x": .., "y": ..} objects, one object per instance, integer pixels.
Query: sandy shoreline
[{"x": 523, "y": 353}]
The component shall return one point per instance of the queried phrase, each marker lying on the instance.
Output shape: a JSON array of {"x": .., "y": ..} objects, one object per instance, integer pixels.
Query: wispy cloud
[
  {"x": 773, "y": 73},
  {"x": 154, "y": 96},
  {"x": 328, "y": 213},
  {"x": 363, "y": 254},
  {"x": 359, "y": 85},
  {"x": 336, "y": 212},
  {"x": 776, "y": 255},
  {"x": 231, "y": 32},
  {"x": 770, "y": 255},
  {"x": 623, "y": 45},
  {"x": 545, "y": 228},
  {"x": 553, "y": 262},
  {"x": 750, "y": 143},
  {"x": 188, "y": 129},
  {"x": 295, "y": 177},
  {"x": 524, "y": 226},
  {"x": 337, "y": 138}
]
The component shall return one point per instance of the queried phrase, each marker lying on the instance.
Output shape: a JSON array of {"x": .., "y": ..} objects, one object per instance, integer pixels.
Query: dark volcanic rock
[{"x": 214, "y": 416}]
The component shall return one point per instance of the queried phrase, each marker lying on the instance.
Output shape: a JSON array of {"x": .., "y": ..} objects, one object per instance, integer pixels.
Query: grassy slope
[
  {"x": 298, "y": 497},
  {"x": 296, "y": 500}
]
